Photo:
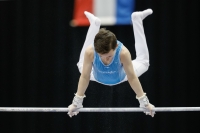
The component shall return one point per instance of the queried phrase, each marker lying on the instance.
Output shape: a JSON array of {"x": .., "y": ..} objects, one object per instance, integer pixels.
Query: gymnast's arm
[
  {"x": 85, "y": 75},
  {"x": 134, "y": 82},
  {"x": 83, "y": 83}
]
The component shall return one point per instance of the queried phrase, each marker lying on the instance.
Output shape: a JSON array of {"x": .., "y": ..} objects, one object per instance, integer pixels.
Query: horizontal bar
[{"x": 37, "y": 109}]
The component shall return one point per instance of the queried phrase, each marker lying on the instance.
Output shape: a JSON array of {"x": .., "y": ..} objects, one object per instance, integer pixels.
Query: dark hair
[{"x": 104, "y": 41}]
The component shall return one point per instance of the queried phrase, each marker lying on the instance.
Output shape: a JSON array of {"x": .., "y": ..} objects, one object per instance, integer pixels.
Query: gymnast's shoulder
[
  {"x": 124, "y": 53},
  {"x": 89, "y": 52}
]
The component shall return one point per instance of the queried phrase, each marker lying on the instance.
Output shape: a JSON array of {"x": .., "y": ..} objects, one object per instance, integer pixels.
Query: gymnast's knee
[
  {"x": 146, "y": 66},
  {"x": 80, "y": 67},
  {"x": 141, "y": 70}
]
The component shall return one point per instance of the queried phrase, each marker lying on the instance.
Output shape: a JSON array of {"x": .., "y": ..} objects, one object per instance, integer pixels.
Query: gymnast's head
[{"x": 105, "y": 42}]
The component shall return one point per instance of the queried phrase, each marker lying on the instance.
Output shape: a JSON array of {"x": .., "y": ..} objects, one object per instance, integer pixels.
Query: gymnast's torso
[{"x": 111, "y": 72}]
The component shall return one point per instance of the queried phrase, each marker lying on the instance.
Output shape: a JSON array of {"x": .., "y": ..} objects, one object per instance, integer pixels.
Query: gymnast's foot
[
  {"x": 142, "y": 14},
  {"x": 92, "y": 18}
]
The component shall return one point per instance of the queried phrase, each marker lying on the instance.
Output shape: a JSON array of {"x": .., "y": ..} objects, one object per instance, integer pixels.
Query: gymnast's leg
[
  {"x": 141, "y": 63},
  {"x": 92, "y": 31}
]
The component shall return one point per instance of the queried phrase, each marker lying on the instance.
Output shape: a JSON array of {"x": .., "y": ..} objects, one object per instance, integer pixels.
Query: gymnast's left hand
[{"x": 149, "y": 110}]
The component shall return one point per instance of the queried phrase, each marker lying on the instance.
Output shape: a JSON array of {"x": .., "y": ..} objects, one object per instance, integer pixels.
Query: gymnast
[{"x": 106, "y": 60}]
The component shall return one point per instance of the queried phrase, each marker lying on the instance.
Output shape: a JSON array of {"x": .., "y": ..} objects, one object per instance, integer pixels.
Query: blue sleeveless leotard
[{"x": 112, "y": 73}]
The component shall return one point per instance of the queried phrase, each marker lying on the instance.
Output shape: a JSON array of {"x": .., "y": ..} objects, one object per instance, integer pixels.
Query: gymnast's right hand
[{"x": 76, "y": 105}]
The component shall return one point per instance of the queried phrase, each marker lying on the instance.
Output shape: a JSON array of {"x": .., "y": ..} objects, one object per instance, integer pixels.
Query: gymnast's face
[{"x": 107, "y": 56}]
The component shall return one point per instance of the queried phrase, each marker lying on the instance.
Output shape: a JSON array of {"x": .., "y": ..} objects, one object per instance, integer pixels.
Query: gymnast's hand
[
  {"x": 76, "y": 105},
  {"x": 149, "y": 109}
]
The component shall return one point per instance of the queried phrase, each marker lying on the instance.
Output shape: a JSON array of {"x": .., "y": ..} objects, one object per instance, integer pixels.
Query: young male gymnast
[{"x": 106, "y": 60}]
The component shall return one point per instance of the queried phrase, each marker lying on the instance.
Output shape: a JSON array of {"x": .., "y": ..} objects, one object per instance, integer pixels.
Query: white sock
[
  {"x": 141, "y": 14},
  {"x": 92, "y": 18},
  {"x": 146, "y": 13}
]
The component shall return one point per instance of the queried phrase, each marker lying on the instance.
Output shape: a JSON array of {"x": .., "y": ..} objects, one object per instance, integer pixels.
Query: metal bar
[{"x": 37, "y": 109}]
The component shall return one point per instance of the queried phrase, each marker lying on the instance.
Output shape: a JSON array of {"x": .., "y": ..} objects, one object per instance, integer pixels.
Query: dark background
[{"x": 38, "y": 55}]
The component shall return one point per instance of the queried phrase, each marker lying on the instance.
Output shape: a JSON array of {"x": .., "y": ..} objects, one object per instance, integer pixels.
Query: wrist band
[
  {"x": 80, "y": 96},
  {"x": 141, "y": 96}
]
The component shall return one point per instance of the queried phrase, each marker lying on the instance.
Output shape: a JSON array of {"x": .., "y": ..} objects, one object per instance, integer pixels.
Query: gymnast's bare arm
[
  {"x": 126, "y": 60},
  {"x": 133, "y": 80},
  {"x": 85, "y": 75}
]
